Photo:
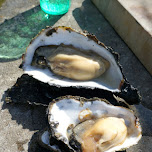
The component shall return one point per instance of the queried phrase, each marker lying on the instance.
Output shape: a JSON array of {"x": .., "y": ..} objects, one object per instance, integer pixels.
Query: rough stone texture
[
  {"x": 9, "y": 8},
  {"x": 141, "y": 11},
  {"x": 132, "y": 20},
  {"x": 20, "y": 124}
]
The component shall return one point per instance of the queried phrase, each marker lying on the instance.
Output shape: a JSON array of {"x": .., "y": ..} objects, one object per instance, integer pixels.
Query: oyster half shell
[
  {"x": 79, "y": 124},
  {"x": 62, "y": 57}
]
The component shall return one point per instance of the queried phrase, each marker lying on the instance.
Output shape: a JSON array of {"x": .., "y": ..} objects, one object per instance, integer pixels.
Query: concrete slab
[
  {"x": 20, "y": 123},
  {"x": 132, "y": 21}
]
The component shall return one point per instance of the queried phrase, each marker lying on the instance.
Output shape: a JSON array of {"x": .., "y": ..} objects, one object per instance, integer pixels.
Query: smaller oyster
[{"x": 92, "y": 125}]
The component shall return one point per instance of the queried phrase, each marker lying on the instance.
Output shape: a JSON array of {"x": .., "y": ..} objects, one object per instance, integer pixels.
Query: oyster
[
  {"x": 88, "y": 125},
  {"x": 63, "y": 57},
  {"x": 101, "y": 77}
]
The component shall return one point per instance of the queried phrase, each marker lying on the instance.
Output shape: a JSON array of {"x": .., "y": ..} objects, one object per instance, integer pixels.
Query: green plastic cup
[{"x": 55, "y": 7}]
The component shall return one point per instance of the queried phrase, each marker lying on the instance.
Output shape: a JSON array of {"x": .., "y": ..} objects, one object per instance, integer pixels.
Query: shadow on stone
[
  {"x": 34, "y": 145},
  {"x": 16, "y": 33},
  {"x": 90, "y": 19},
  {"x": 29, "y": 116},
  {"x": 145, "y": 117}
]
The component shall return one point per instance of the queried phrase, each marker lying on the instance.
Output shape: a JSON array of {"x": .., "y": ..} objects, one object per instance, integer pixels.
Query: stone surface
[
  {"x": 19, "y": 31},
  {"x": 132, "y": 21},
  {"x": 20, "y": 124},
  {"x": 141, "y": 11},
  {"x": 9, "y": 8}
]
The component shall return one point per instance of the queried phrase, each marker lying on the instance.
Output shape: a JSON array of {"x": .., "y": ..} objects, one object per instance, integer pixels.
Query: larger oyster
[
  {"x": 90, "y": 125},
  {"x": 61, "y": 51},
  {"x": 76, "y": 64}
]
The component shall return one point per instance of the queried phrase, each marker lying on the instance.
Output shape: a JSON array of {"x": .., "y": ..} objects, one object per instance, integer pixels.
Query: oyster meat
[
  {"x": 70, "y": 62},
  {"x": 92, "y": 125}
]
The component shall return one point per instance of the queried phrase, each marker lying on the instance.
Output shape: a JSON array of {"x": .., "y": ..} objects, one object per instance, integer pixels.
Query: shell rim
[{"x": 137, "y": 123}]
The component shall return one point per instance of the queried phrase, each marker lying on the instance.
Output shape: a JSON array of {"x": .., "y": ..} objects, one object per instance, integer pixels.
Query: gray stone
[
  {"x": 20, "y": 123},
  {"x": 9, "y": 8},
  {"x": 144, "y": 145}
]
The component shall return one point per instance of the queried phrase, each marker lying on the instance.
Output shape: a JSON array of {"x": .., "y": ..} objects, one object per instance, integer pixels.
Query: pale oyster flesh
[
  {"x": 101, "y": 134},
  {"x": 70, "y": 62},
  {"x": 102, "y": 126}
]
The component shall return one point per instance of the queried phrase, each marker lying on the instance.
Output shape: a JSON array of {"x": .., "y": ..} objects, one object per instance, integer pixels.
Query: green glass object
[{"x": 55, "y": 7}]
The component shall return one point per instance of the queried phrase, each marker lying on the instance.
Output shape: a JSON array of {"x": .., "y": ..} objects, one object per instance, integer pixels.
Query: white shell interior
[
  {"x": 45, "y": 139},
  {"x": 110, "y": 80},
  {"x": 66, "y": 112}
]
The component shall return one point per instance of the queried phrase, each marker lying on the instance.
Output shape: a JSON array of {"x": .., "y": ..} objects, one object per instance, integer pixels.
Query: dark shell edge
[
  {"x": 72, "y": 141},
  {"x": 31, "y": 91}
]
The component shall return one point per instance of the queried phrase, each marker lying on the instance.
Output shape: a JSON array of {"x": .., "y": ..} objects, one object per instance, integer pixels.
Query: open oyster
[
  {"x": 90, "y": 125},
  {"x": 63, "y": 57}
]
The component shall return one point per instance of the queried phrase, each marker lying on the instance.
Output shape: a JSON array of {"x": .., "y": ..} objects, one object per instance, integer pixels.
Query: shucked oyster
[
  {"x": 94, "y": 125},
  {"x": 70, "y": 62},
  {"x": 62, "y": 57}
]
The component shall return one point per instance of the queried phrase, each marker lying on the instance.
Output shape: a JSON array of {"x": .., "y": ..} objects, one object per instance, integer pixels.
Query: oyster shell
[
  {"x": 77, "y": 123},
  {"x": 28, "y": 90},
  {"x": 110, "y": 81},
  {"x": 66, "y": 41},
  {"x": 44, "y": 141},
  {"x": 104, "y": 71}
]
